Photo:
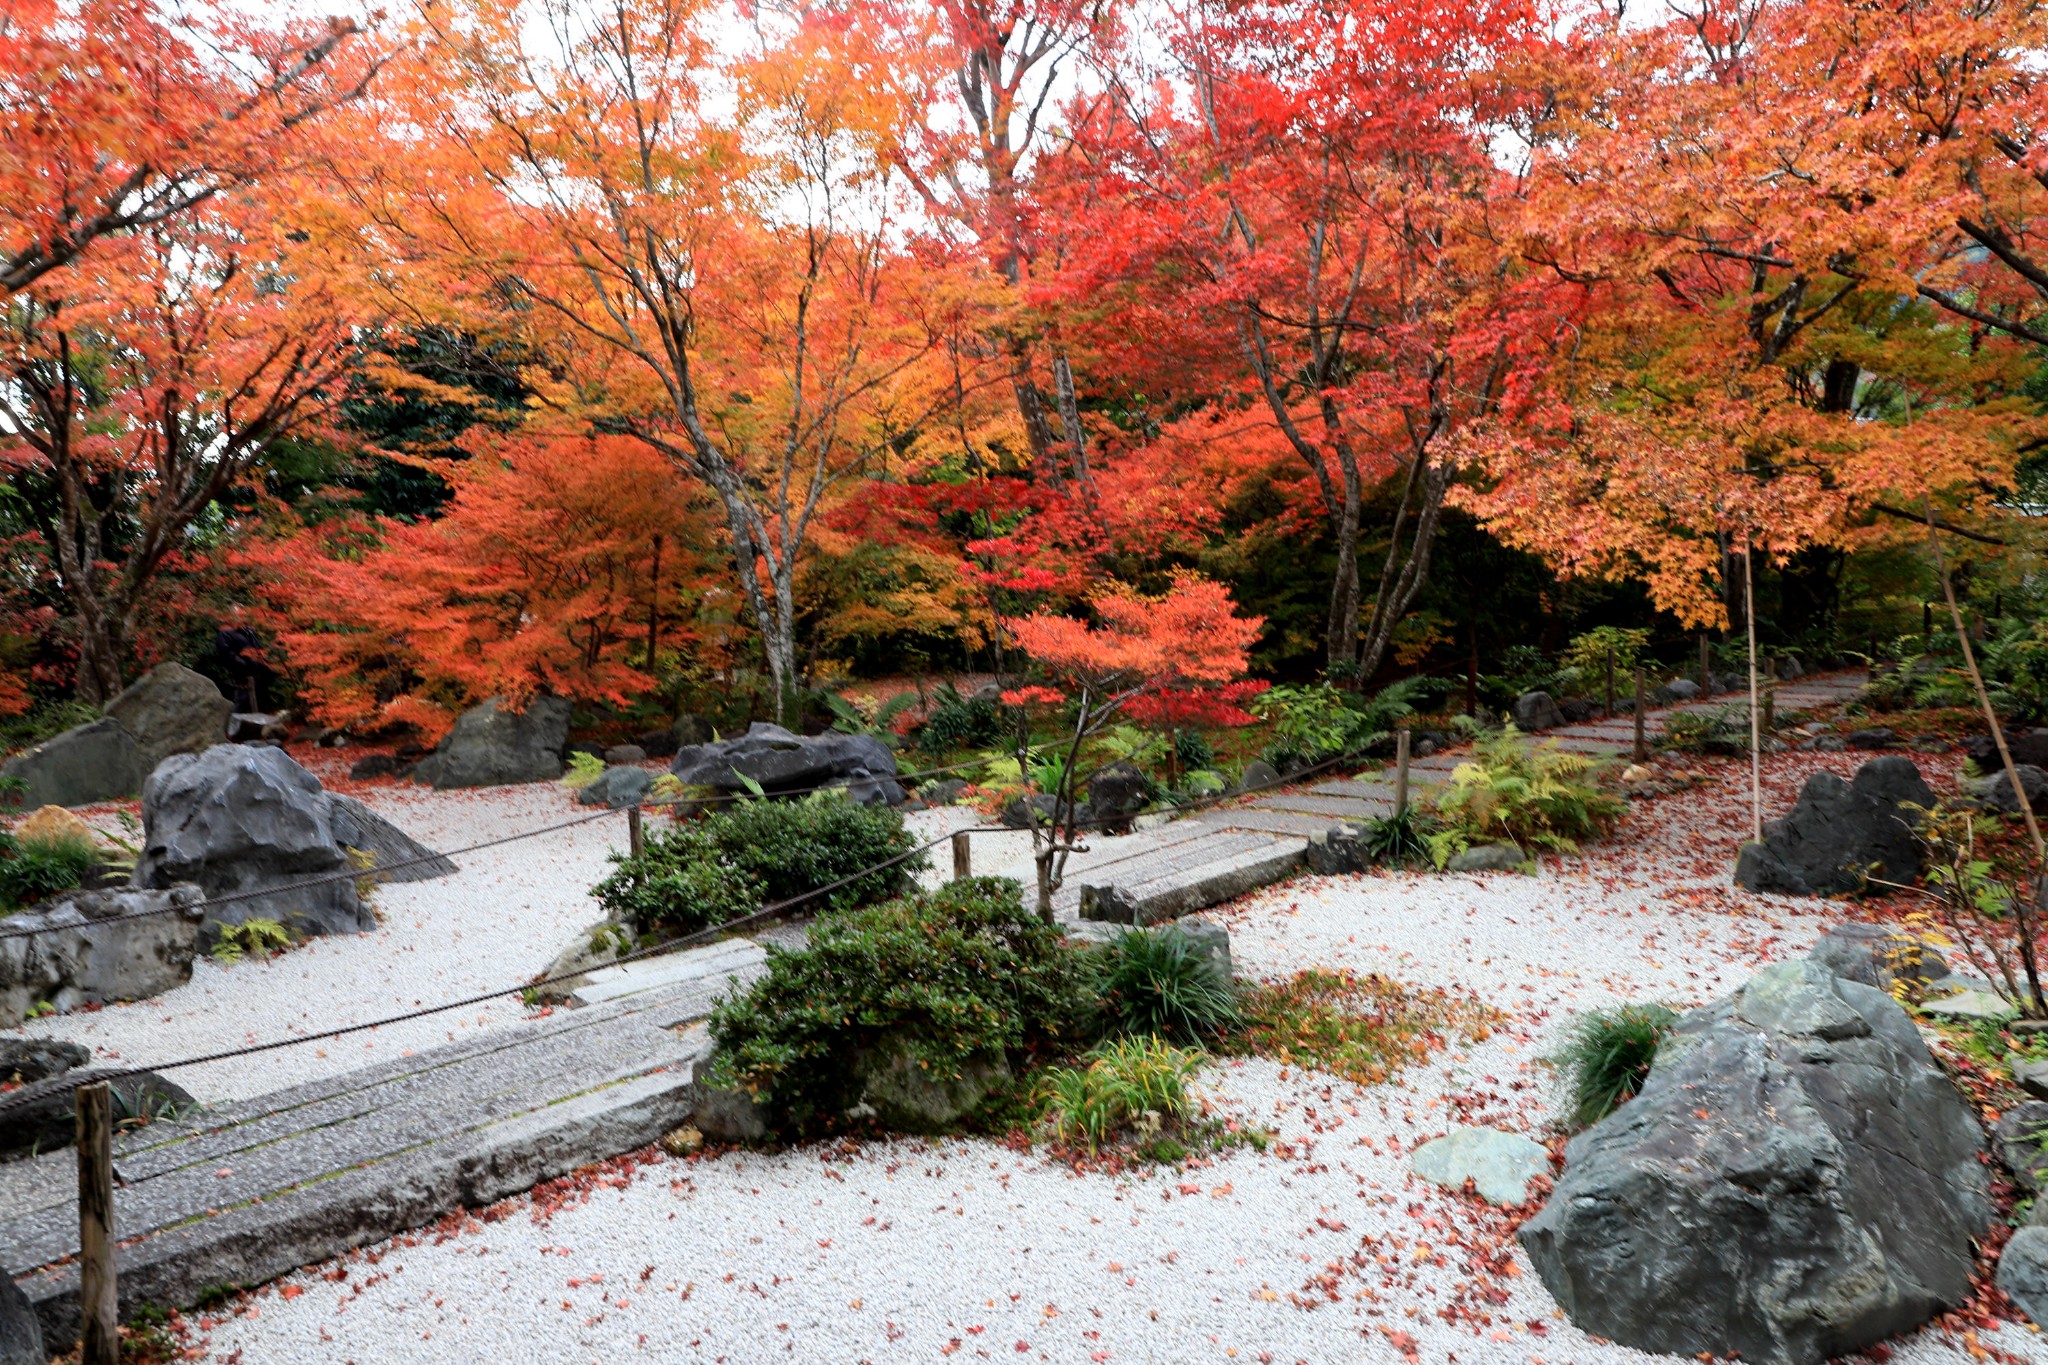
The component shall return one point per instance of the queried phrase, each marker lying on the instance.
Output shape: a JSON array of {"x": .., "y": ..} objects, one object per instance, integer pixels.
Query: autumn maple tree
[{"x": 1186, "y": 641}]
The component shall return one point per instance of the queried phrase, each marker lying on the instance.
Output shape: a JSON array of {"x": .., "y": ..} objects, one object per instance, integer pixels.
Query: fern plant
[
  {"x": 256, "y": 936},
  {"x": 851, "y": 719},
  {"x": 1531, "y": 795},
  {"x": 584, "y": 769}
]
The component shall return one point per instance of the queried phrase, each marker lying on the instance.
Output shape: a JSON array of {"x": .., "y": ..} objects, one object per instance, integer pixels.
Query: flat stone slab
[
  {"x": 1499, "y": 1165},
  {"x": 1970, "y": 1005},
  {"x": 670, "y": 969}
]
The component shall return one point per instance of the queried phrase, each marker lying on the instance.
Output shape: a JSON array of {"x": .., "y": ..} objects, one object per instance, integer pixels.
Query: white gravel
[{"x": 906, "y": 1250}]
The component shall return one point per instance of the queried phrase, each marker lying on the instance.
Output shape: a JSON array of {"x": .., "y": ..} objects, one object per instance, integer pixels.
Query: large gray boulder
[
  {"x": 493, "y": 746},
  {"x": 1536, "y": 711},
  {"x": 172, "y": 710},
  {"x": 21, "y": 1336},
  {"x": 97, "y": 761},
  {"x": 1117, "y": 793},
  {"x": 394, "y": 855},
  {"x": 911, "y": 1096},
  {"x": 2022, "y": 1272},
  {"x": 618, "y": 788},
  {"x": 250, "y": 823},
  {"x": 1879, "y": 955},
  {"x": 44, "y": 1116},
  {"x": 1839, "y": 836},
  {"x": 779, "y": 761},
  {"x": 97, "y": 947},
  {"x": 1796, "y": 1181},
  {"x": 1996, "y": 791}
]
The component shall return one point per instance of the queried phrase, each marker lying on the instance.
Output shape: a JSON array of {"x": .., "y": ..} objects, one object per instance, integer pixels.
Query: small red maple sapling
[{"x": 1184, "y": 641}]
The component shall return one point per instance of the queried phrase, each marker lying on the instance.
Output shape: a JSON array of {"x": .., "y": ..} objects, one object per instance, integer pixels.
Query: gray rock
[
  {"x": 727, "y": 1115},
  {"x": 598, "y": 946},
  {"x": 1117, "y": 793},
  {"x": 780, "y": 761},
  {"x": 1681, "y": 689},
  {"x": 491, "y": 746},
  {"x": 1258, "y": 775},
  {"x": 1996, "y": 792},
  {"x": 942, "y": 793},
  {"x": 657, "y": 743},
  {"x": 247, "y": 726},
  {"x": 172, "y": 710},
  {"x": 625, "y": 753},
  {"x": 618, "y": 788},
  {"x": 97, "y": 947},
  {"x": 24, "y": 1061},
  {"x": 1023, "y": 812},
  {"x": 1796, "y": 1180},
  {"x": 1487, "y": 858},
  {"x": 1877, "y": 737},
  {"x": 46, "y": 1117},
  {"x": 396, "y": 856},
  {"x": 97, "y": 761},
  {"x": 1790, "y": 669},
  {"x": 1500, "y": 1165},
  {"x": 2026, "y": 747},
  {"x": 1108, "y": 905},
  {"x": 253, "y": 824},
  {"x": 2021, "y": 1137},
  {"x": 690, "y": 730},
  {"x": 373, "y": 766},
  {"x": 21, "y": 1336},
  {"x": 1536, "y": 711},
  {"x": 1878, "y": 955},
  {"x": 2023, "y": 1272},
  {"x": 1336, "y": 851},
  {"x": 1839, "y": 835},
  {"x": 1825, "y": 744},
  {"x": 2031, "y": 1077},
  {"x": 913, "y": 1096},
  {"x": 1970, "y": 1005}
]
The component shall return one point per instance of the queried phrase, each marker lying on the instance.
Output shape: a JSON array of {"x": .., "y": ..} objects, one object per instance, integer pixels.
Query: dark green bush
[
  {"x": 958, "y": 722},
  {"x": 729, "y": 864},
  {"x": 30, "y": 871},
  {"x": 1398, "y": 839},
  {"x": 1607, "y": 1056},
  {"x": 1155, "y": 981},
  {"x": 956, "y": 973},
  {"x": 1193, "y": 751}
]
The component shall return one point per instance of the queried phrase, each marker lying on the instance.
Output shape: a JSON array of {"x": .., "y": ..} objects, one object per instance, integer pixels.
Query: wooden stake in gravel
[
  {"x": 633, "y": 830},
  {"x": 1610, "y": 682},
  {"x": 1756, "y": 748},
  {"x": 1642, "y": 752},
  {"x": 963, "y": 865},
  {"x": 1401, "y": 738},
  {"x": 97, "y": 1299}
]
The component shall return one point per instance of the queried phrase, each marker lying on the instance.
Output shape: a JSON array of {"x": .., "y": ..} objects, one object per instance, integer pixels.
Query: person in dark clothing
[{"x": 238, "y": 657}]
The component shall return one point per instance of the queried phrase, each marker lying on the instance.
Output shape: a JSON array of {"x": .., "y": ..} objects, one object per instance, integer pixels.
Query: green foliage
[
  {"x": 1318, "y": 721},
  {"x": 1585, "y": 658},
  {"x": 957, "y": 973},
  {"x": 584, "y": 769},
  {"x": 1518, "y": 669},
  {"x": 1608, "y": 1054},
  {"x": 44, "y": 721},
  {"x": 1400, "y": 839},
  {"x": 958, "y": 722},
  {"x": 1534, "y": 795},
  {"x": 1192, "y": 751},
  {"x": 253, "y": 937},
  {"x": 1129, "y": 744},
  {"x": 1137, "y": 1082},
  {"x": 1363, "y": 1028},
  {"x": 727, "y": 865},
  {"x": 1721, "y": 730},
  {"x": 1155, "y": 981},
  {"x": 848, "y": 718},
  {"x": 32, "y": 869},
  {"x": 2015, "y": 667}
]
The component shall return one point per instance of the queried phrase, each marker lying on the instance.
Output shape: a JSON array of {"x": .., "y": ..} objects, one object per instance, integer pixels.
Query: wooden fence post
[
  {"x": 633, "y": 844},
  {"x": 1642, "y": 751},
  {"x": 1401, "y": 739},
  {"x": 97, "y": 1298},
  {"x": 963, "y": 866},
  {"x": 1610, "y": 682}
]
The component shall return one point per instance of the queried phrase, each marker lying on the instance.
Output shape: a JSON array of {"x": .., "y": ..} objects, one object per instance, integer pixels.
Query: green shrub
[
  {"x": 955, "y": 974},
  {"x": 1535, "y": 795},
  {"x": 33, "y": 869},
  {"x": 1398, "y": 839},
  {"x": 1607, "y": 1056},
  {"x": 1192, "y": 751},
  {"x": 729, "y": 864},
  {"x": 1586, "y": 659},
  {"x": 1155, "y": 981},
  {"x": 1117, "y": 1085},
  {"x": 958, "y": 722}
]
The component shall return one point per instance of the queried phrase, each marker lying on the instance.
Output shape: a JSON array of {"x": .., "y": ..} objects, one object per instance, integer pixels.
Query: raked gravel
[{"x": 1322, "y": 1249}]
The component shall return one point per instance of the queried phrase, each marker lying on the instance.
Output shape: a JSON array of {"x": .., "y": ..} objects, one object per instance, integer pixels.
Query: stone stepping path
[{"x": 243, "y": 1193}]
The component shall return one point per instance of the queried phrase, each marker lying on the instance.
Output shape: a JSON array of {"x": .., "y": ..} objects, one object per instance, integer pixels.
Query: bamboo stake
[
  {"x": 1756, "y": 749},
  {"x": 1642, "y": 750}
]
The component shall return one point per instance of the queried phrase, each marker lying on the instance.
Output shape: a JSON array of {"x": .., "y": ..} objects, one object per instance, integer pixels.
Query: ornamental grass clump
[
  {"x": 1157, "y": 981},
  {"x": 1137, "y": 1083},
  {"x": 1608, "y": 1055},
  {"x": 33, "y": 869}
]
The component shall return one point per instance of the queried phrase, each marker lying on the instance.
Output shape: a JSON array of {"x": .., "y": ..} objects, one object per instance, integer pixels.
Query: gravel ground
[
  {"x": 501, "y": 919},
  {"x": 1322, "y": 1249}
]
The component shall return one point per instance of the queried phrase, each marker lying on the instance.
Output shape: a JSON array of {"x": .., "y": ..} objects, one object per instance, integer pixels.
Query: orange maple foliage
[
  {"x": 1189, "y": 635},
  {"x": 540, "y": 577}
]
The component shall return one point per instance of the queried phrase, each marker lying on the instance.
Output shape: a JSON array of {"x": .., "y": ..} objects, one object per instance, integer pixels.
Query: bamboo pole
[
  {"x": 1756, "y": 748},
  {"x": 97, "y": 1292},
  {"x": 1642, "y": 749},
  {"x": 1401, "y": 739}
]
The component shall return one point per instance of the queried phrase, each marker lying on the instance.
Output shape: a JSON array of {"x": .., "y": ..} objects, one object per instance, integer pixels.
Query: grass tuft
[{"x": 1608, "y": 1055}]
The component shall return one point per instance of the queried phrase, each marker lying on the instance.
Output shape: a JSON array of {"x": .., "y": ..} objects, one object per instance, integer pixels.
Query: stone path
[{"x": 240, "y": 1194}]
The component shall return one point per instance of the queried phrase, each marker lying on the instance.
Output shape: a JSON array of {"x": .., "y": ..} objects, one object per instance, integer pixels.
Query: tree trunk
[{"x": 1342, "y": 642}]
